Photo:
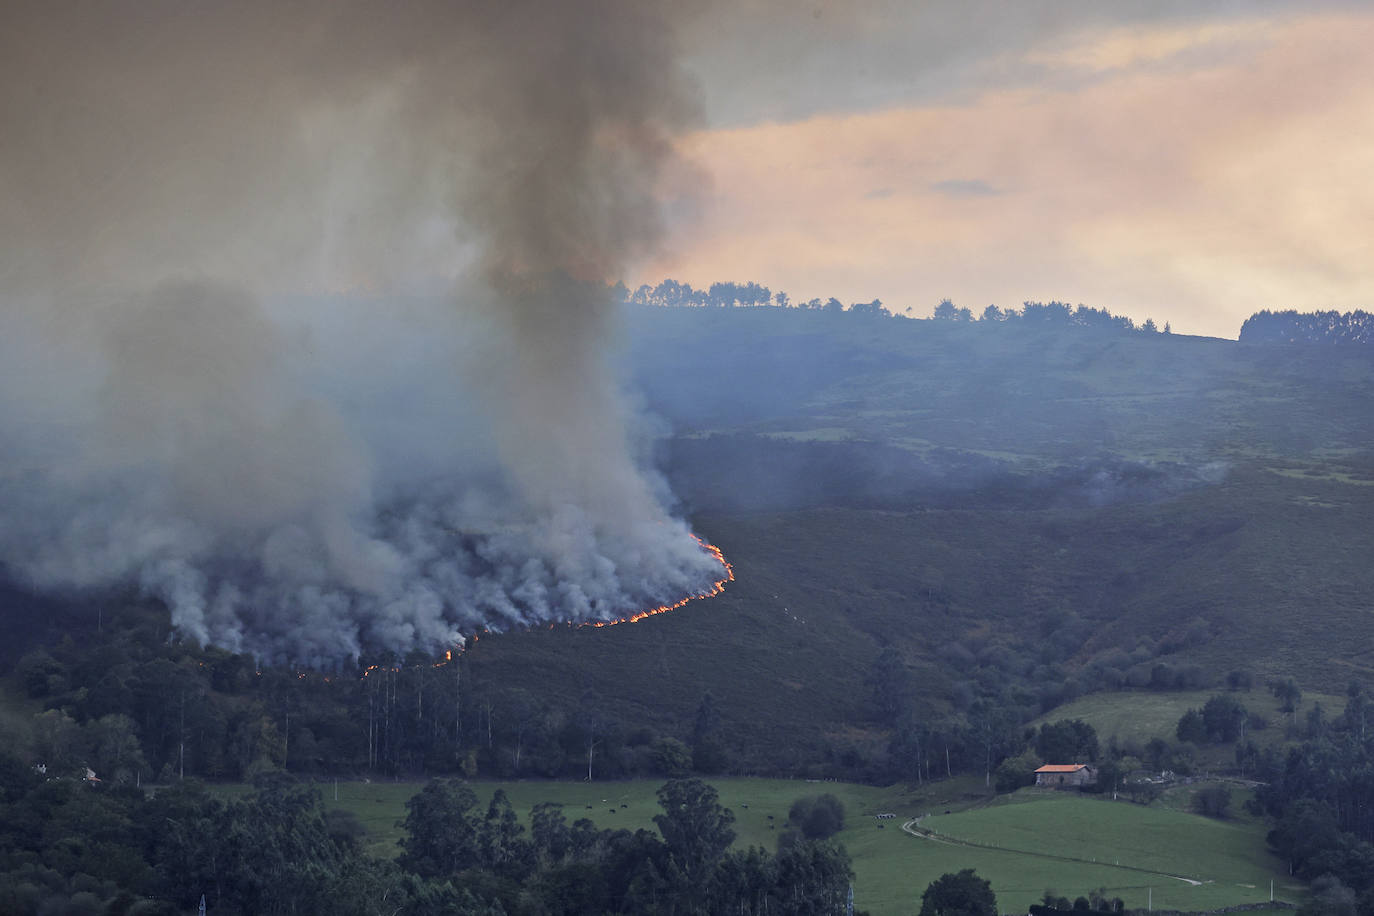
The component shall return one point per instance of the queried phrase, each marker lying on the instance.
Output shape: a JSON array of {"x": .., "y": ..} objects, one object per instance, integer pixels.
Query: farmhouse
[{"x": 1066, "y": 774}]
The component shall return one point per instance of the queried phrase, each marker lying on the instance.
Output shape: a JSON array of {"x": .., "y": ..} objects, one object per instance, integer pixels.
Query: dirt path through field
[{"x": 913, "y": 827}]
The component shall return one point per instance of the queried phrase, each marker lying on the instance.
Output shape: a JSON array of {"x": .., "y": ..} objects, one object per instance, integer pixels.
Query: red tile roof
[{"x": 1061, "y": 768}]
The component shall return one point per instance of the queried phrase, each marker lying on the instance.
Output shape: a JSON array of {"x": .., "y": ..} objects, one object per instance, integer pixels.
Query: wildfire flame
[{"x": 716, "y": 588}]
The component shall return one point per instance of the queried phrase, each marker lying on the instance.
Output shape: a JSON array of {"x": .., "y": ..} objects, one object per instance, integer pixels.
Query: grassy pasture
[
  {"x": 1141, "y": 715},
  {"x": 760, "y": 805},
  {"x": 1065, "y": 839},
  {"x": 892, "y": 868}
]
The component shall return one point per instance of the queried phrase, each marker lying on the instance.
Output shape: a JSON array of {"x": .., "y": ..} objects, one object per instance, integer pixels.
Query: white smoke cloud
[
  {"x": 302, "y": 498},
  {"x": 300, "y": 474}
]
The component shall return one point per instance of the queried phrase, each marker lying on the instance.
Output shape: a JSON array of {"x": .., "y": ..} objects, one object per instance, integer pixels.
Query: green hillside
[{"x": 1260, "y": 573}]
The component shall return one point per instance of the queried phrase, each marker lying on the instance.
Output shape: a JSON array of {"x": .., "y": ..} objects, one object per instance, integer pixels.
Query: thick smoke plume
[{"x": 305, "y": 315}]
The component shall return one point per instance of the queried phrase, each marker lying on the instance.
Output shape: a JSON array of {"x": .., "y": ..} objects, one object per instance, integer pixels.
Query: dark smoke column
[
  {"x": 563, "y": 198},
  {"x": 189, "y": 403},
  {"x": 584, "y": 111}
]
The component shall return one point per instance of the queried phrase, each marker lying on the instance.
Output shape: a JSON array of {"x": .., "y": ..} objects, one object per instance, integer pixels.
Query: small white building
[{"x": 1066, "y": 774}]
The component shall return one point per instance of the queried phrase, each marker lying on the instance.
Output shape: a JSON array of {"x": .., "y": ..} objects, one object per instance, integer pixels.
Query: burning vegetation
[{"x": 333, "y": 307}]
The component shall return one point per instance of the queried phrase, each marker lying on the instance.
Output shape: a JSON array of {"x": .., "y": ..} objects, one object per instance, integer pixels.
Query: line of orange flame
[{"x": 716, "y": 588}]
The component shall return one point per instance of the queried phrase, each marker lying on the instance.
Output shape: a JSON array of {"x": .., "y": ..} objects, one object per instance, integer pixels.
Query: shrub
[
  {"x": 1213, "y": 801},
  {"x": 817, "y": 816},
  {"x": 1191, "y": 727},
  {"x": 1016, "y": 772}
]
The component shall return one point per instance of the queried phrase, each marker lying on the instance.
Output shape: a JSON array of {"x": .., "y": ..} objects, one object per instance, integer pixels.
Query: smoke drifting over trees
[{"x": 295, "y": 474}]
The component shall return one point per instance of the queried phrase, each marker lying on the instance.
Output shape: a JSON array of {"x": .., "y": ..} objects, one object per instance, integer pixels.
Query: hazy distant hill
[
  {"x": 1016, "y": 392},
  {"x": 1057, "y": 509}
]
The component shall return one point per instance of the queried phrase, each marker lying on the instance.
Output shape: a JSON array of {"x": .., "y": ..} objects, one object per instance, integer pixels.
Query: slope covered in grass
[{"x": 1147, "y": 847}]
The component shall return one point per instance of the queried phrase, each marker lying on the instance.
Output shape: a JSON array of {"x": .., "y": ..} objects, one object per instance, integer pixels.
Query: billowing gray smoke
[{"x": 304, "y": 314}]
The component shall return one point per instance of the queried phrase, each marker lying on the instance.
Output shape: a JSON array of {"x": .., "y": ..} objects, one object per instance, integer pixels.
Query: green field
[
  {"x": 1126, "y": 848},
  {"x": 1085, "y": 838},
  {"x": 1138, "y": 716}
]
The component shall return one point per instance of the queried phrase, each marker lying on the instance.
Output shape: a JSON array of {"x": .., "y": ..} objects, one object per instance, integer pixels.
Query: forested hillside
[{"x": 1005, "y": 513}]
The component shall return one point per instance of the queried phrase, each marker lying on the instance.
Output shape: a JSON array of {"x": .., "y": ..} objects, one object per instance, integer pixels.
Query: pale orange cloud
[{"x": 1191, "y": 176}]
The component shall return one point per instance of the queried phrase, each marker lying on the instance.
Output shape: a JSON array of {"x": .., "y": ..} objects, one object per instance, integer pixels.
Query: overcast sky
[{"x": 1190, "y": 162}]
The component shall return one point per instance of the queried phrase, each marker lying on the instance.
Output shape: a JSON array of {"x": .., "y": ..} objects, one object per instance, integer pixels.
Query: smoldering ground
[{"x": 191, "y": 403}]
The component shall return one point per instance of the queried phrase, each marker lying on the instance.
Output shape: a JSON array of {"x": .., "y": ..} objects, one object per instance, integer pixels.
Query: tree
[
  {"x": 811, "y": 879},
  {"x": 592, "y": 726},
  {"x": 1316, "y": 721},
  {"x": 1247, "y": 756},
  {"x": 708, "y": 752},
  {"x": 58, "y": 742},
  {"x": 909, "y": 747},
  {"x": 550, "y": 834},
  {"x": 1212, "y": 801},
  {"x": 115, "y": 752},
  {"x": 818, "y": 817},
  {"x": 889, "y": 685},
  {"x": 1329, "y": 897},
  {"x": 1305, "y": 829},
  {"x": 1156, "y": 753},
  {"x": 1191, "y": 727},
  {"x": 961, "y": 894},
  {"x": 671, "y": 758},
  {"x": 519, "y": 714},
  {"x": 874, "y": 308},
  {"x": 1016, "y": 772},
  {"x": 1288, "y": 694},
  {"x": 441, "y": 836},
  {"x": 1357, "y": 711},
  {"x": 1113, "y": 772},
  {"x": 946, "y": 310},
  {"x": 990, "y": 726},
  {"x": 1224, "y": 718},
  {"x": 1067, "y": 741},
  {"x": 41, "y": 674},
  {"x": 272, "y": 853},
  {"x": 695, "y": 828},
  {"x": 741, "y": 882},
  {"x": 503, "y": 849}
]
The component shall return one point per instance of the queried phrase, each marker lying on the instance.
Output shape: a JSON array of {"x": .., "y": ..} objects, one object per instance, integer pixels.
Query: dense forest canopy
[
  {"x": 1290, "y": 326},
  {"x": 672, "y": 294}
]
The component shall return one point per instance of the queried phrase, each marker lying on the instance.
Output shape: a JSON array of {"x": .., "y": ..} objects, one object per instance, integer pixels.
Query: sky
[{"x": 1193, "y": 163}]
